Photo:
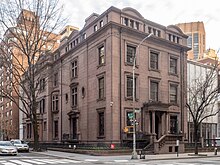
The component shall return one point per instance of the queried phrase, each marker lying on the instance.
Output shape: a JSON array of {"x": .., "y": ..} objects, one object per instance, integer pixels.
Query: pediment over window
[
  {"x": 132, "y": 12},
  {"x": 73, "y": 114},
  {"x": 74, "y": 84}
]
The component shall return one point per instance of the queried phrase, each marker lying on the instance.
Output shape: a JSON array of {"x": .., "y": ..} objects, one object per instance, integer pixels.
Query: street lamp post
[{"x": 134, "y": 153}]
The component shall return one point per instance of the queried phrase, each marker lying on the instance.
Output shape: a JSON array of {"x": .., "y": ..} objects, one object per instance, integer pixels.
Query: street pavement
[
  {"x": 65, "y": 158},
  {"x": 127, "y": 158}
]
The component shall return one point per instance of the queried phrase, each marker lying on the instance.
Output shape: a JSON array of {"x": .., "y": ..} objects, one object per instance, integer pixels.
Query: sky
[{"x": 164, "y": 12}]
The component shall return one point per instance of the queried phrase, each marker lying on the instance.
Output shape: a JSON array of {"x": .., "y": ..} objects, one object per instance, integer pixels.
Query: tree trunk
[
  {"x": 36, "y": 146},
  {"x": 196, "y": 150}
]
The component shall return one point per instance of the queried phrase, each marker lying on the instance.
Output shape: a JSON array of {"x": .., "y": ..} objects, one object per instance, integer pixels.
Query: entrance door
[
  {"x": 158, "y": 125},
  {"x": 173, "y": 124},
  {"x": 74, "y": 128}
]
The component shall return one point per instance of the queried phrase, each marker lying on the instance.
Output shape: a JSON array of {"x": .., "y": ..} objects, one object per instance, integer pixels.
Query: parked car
[
  {"x": 20, "y": 145},
  {"x": 7, "y": 148}
]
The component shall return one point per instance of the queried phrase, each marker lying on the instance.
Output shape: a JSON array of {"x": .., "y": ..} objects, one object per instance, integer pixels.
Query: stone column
[
  {"x": 167, "y": 123},
  {"x": 153, "y": 122},
  {"x": 147, "y": 122}
]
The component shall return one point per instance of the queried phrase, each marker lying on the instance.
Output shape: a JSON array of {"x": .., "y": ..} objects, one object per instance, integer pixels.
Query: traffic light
[{"x": 128, "y": 129}]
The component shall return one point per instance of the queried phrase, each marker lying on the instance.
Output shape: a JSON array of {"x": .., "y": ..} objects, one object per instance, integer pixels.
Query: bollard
[{"x": 215, "y": 151}]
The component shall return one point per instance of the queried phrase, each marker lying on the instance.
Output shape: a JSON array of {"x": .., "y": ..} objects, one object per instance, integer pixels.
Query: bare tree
[
  {"x": 29, "y": 28},
  {"x": 202, "y": 98}
]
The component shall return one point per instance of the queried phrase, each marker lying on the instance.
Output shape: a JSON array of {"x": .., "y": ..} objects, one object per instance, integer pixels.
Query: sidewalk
[{"x": 84, "y": 157}]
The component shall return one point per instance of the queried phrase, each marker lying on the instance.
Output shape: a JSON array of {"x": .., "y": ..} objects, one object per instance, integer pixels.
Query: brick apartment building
[
  {"x": 196, "y": 40},
  {"x": 88, "y": 89},
  {"x": 9, "y": 111}
]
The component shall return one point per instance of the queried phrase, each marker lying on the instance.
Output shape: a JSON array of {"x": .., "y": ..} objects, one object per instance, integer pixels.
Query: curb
[{"x": 179, "y": 157}]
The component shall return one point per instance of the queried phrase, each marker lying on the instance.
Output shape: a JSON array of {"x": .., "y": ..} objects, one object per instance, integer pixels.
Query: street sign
[{"x": 130, "y": 115}]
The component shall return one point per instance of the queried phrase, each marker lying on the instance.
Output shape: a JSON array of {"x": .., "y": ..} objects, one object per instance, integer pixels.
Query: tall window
[
  {"x": 130, "y": 86},
  {"x": 189, "y": 41},
  {"x": 74, "y": 96},
  {"x": 95, "y": 28},
  {"x": 154, "y": 60},
  {"x": 173, "y": 65},
  {"x": 74, "y": 69},
  {"x": 42, "y": 106},
  {"x": 132, "y": 23},
  {"x": 101, "y": 87},
  {"x": 42, "y": 84},
  {"x": 101, "y": 23},
  {"x": 56, "y": 131},
  {"x": 45, "y": 126},
  {"x": 154, "y": 91},
  {"x": 55, "y": 80},
  {"x": 136, "y": 25},
  {"x": 130, "y": 54},
  {"x": 84, "y": 36},
  {"x": 101, "y": 55},
  {"x": 173, "y": 93},
  {"x": 55, "y": 103},
  {"x": 195, "y": 45},
  {"x": 29, "y": 130},
  {"x": 126, "y": 21},
  {"x": 101, "y": 119}
]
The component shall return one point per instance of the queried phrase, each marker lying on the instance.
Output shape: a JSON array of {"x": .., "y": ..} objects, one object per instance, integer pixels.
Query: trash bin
[{"x": 215, "y": 151}]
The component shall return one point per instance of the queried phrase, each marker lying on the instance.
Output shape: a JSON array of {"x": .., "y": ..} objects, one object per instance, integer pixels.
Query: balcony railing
[{"x": 70, "y": 137}]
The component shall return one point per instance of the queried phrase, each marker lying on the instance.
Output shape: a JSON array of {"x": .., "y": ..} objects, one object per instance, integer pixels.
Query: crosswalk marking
[
  {"x": 7, "y": 163},
  {"x": 38, "y": 161},
  {"x": 91, "y": 160},
  {"x": 32, "y": 161},
  {"x": 121, "y": 161},
  {"x": 19, "y": 162},
  {"x": 49, "y": 161}
]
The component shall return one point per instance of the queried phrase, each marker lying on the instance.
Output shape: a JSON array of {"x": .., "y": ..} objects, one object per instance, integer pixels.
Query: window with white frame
[
  {"x": 101, "y": 55},
  {"x": 74, "y": 96},
  {"x": 131, "y": 50},
  {"x": 74, "y": 69},
  {"x": 42, "y": 106},
  {"x": 173, "y": 93},
  {"x": 154, "y": 90},
  {"x": 173, "y": 65},
  {"x": 55, "y": 103},
  {"x": 154, "y": 56},
  {"x": 101, "y": 88},
  {"x": 130, "y": 86}
]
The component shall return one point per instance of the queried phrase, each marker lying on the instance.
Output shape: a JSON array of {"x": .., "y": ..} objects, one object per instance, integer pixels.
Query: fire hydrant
[{"x": 215, "y": 151}]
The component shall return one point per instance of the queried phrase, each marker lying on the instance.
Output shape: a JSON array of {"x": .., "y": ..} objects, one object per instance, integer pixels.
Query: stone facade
[{"x": 88, "y": 94}]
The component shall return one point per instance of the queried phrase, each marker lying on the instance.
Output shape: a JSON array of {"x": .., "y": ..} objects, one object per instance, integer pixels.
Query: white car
[
  {"x": 20, "y": 145},
  {"x": 6, "y": 148}
]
